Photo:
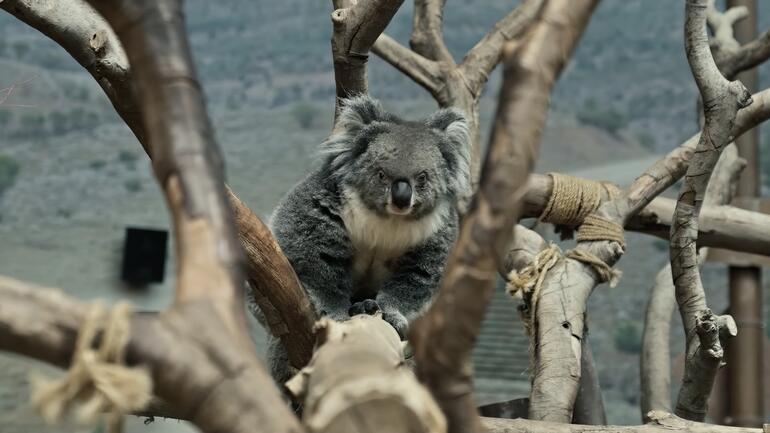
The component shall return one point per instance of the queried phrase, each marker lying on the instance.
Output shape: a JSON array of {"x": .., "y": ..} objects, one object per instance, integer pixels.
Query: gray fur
[{"x": 341, "y": 233}]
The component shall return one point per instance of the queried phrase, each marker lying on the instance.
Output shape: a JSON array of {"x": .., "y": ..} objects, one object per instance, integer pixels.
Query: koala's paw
[
  {"x": 398, "y": 322},
  {"x": 367, "y": 306}
]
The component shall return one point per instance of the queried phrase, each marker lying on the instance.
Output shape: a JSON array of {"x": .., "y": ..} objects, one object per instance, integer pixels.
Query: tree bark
[
  {"x": 444, "y": 336},
  {"x": 357, "y": 382},
  {"x": 704, "y": 330},
  {"x": 655, "y": 359}
]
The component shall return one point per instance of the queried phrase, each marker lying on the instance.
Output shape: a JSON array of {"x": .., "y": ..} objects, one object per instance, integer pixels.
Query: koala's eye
[
  {"x": 422, "y": 177},
  {"x": 381, "y": 174}
]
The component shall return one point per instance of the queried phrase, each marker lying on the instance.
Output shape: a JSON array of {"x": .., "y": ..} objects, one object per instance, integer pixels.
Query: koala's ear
[
  {"x": 359, "y": 111},
  {"x": 456, "y": 148},
  {"x": 446, "y": 118}
]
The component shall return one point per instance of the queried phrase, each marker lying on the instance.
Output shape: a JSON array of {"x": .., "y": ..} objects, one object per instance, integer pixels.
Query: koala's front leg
[
  {"x": 320, "y": 252},
  {"x": 407, "y": 293}
]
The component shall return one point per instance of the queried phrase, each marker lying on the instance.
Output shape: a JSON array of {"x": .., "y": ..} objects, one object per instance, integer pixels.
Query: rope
[
  {"x": 97, "y": 380},
  {"x": 596, "y": 228},
  {"x": 529, "y": 280},
  {"x": 572, "y": 199},
  {"x": 606, "y": 273}
]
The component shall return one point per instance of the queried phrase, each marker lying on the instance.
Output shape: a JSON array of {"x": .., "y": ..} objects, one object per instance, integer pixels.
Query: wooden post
[{"x": 744, "y": 352}]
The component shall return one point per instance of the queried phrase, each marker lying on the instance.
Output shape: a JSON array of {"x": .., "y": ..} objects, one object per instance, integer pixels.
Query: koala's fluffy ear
[
  {"x": 356, "y": 114},
  {"x": 360, "y": 111},
  {"x": 456, "y": 148}
]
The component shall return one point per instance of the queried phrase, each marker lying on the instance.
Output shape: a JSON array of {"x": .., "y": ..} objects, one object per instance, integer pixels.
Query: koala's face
[
  {"x": 402, "y": 172},
  {"x": 399, "y": 168}
]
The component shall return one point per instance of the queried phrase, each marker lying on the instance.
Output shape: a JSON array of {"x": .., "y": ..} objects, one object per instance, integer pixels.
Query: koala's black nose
[{"x": 401, "y": 192}]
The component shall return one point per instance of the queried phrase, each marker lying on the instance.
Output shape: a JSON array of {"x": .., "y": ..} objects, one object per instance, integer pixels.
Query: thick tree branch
[
  {"x": 208, "y": 307},
  {"x": 427, "y": 31},
  {"x": 721, "y": 101},
  {"x": 655, "y": 359},
  {"x": 661, "y": 422},
  {"x": 357, "y": 25},
  {"x": 373, "y": 392},
  {"x": 479, "y": 62},
  {"x": 424, "y": 72},
  {"x": 84, "y": 34},
  {"x": 212, "y": 388},
  {"x": 73, "y": 24},
  {"x": 442, "y": 346},
  {"x": 275, "y": 288}
]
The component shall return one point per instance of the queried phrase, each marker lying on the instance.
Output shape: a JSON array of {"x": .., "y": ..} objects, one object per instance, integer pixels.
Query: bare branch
[
  {"x": 42, "y": 323},
  {"x": 77, "y": 28},
  {"x": 374, "y": 393},
  {"x": 427, "y": 31},
  {"x": 72, "y": 24},
  {"x": 442, "y": 346},
  {"x": 357, "y": 25},
  {"x": 424, "y": 72},
  {"x": 655, "y": 359},
  {"x": 661, "y": 422},
  {"x": 274, "y": 286},
  {"x": 479, "y": 62},
  {"x": 721, "y": 101},
  {"x": 746, "y": 57},
  {"x": 732, "y": 57}
]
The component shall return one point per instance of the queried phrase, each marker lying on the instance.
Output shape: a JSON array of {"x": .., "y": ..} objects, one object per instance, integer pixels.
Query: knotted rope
[
  {"x": 97, "y": 380},
  {"x": 529, "y": 280}
]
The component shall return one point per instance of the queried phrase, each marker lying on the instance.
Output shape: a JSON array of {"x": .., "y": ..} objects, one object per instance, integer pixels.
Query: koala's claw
[
  {"x": 398, "y": 322},
  {"x": 367, "y": 306}
]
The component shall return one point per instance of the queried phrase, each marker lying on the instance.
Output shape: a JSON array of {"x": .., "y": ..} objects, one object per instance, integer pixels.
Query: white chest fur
[{"x": 379, "y": 240}]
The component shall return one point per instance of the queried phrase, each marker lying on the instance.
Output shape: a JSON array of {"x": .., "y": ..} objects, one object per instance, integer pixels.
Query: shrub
[
  {"x": 608, "y": 119},
  {"x": 133, "y": 185},
  {"x": 628, "y": 337},
  {"x": 9, "y": 169},
  {"x": 305, "y": 114}
]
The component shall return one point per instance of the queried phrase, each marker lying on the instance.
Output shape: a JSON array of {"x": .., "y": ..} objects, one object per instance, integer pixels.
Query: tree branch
[
  {"x": 732, "y": 57},
  {"x": 423, "y": 71},
  {"x": 479, "y": 62},
  {"x": 442, "y": 346},
  {"x": 655, "y": 359},
  {"x": 373, "y": 392},
  {"x": 72, "y": 24},
  {"x": 43, "y": 324},
  {"x": 722, "y": 100},
  {"x": 357, "y": 25},
  {"x": 427, "y": 31},
  {"x": 84, "y": 34}
]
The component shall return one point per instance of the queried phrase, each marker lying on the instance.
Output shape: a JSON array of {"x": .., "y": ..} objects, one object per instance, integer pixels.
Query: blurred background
[{"x": 73, "y": 178}]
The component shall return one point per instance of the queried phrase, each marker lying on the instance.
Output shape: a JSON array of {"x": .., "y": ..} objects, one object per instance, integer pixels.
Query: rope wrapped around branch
[
  {"x": 97, "y": 380},
  {"x": 572, "y": 199}
]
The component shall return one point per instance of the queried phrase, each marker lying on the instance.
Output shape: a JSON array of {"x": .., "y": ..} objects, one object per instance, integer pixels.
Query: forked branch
[
  {"x": 704, "y": 331},
  {"x": 444, "y": 336}
]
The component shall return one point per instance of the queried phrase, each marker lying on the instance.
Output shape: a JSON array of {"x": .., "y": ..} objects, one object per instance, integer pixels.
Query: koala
[{"x": 370, "y": 229}]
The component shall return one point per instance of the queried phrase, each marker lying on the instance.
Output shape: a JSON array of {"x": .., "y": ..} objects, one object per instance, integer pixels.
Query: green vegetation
[
  {"x": 133, "y": 185},
  {"x": 305, "y": 114},
  {"x": 606, "y": 118},
  {"x": 9, "y": 170},
  {"x": 628, "y": 337}
]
